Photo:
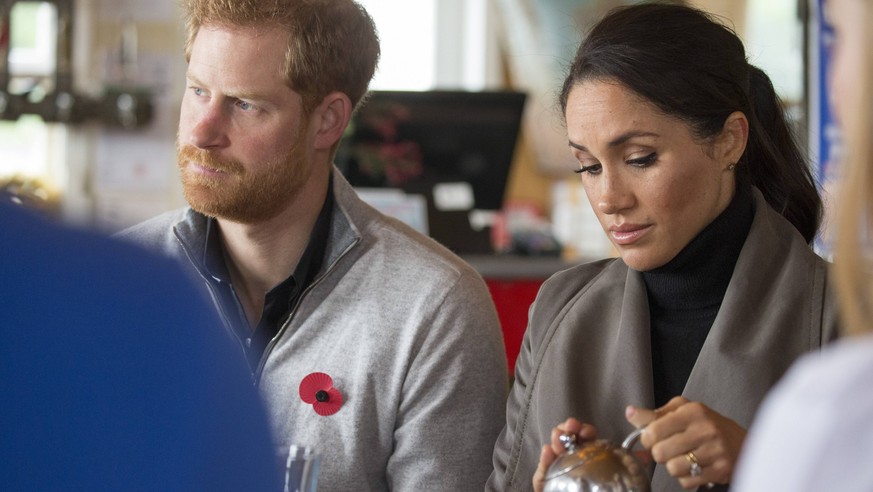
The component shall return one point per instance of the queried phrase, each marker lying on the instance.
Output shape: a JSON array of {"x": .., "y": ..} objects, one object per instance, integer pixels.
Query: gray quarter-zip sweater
[{"x": 410, "y": 337}]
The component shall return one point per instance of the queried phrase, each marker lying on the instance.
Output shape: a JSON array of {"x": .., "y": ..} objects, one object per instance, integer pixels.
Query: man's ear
[
  {"x": 733, "y": 138},
  {"x": 330, "y": 119}
]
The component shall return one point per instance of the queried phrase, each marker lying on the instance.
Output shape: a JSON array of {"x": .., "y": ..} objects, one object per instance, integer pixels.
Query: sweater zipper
[
  {"x": 269, "y": 348},
  {"x": 221, "y": 311}
]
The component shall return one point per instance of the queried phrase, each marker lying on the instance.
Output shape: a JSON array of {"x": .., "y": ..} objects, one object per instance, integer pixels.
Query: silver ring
[
  {"x": 710, "y": 485},
  {"x": 696, "y": 469}
]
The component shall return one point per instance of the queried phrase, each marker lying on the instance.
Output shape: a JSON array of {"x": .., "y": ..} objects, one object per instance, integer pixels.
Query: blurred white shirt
[{"x": 814, "y": 432}]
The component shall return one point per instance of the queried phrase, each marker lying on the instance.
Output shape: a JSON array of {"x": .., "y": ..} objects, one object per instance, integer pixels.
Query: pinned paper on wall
[
  {"x": 448, "y": 197},
  {"x": 134, "y": 162},
  {"x": 116, "y": 211},
  {"x": 410, "y": 209}
]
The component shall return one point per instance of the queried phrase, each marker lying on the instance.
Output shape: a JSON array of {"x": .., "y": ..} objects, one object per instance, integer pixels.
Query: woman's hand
[
  {"x": 550, "y": 452},
  {"x": 682, "y": 433}
]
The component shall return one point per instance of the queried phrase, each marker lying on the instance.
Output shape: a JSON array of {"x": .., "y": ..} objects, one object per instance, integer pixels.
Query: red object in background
[
  {"x": 512, "y": 299},
  {"x": 4, "y": 36}
]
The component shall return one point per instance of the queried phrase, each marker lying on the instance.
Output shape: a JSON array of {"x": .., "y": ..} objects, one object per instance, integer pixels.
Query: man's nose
[{"x": 209, "y": 130}]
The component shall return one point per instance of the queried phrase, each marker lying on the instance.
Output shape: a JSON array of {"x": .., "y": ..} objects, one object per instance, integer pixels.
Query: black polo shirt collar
[{"x": 280, "y": 301}]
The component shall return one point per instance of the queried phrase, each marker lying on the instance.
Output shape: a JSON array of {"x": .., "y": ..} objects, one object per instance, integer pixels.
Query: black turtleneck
[{"x": 686, "y": 293}]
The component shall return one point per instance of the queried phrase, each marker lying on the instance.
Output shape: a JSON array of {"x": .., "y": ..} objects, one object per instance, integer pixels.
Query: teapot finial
[
  {"x": 569, "y": 441},
  {"x": 597, "y": 465}
]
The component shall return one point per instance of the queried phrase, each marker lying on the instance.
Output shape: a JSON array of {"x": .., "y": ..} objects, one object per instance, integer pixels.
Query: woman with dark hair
[{"x": 692, "y": 170}]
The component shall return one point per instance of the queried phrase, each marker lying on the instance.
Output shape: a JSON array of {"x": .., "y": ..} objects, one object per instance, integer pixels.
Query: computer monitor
[{"x": 453, "y": 147}]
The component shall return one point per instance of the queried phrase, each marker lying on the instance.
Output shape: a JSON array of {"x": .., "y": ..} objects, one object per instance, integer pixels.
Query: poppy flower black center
[{"x": 322, "y": 396}]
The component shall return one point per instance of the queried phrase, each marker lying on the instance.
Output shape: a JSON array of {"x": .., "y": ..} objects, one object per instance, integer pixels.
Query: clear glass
[{"x": 299, "y": 468}]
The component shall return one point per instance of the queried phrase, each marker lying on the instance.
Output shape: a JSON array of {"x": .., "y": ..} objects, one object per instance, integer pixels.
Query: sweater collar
[{"x": 698, "y": 276}]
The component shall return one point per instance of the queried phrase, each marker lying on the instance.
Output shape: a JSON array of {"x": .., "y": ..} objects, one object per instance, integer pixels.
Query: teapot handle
[{"x": 632, "y": 438}]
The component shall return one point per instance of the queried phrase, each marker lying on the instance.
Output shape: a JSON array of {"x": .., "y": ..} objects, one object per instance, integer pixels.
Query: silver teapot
[{"x": 598, "y": 466}]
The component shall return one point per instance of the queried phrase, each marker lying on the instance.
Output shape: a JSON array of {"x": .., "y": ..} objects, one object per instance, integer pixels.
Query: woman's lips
[{"x": 627, "y": 234}]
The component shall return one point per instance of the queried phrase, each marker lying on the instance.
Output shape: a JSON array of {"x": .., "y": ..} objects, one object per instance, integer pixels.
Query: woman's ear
[
  {"x": 731, "y": 143},
  {"x": 330, "y": 120}
]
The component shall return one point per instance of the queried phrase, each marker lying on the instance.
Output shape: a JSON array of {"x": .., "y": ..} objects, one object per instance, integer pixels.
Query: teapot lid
[
  {"x": 598, "y": 465},
  {"x": 575, "y": 458}
]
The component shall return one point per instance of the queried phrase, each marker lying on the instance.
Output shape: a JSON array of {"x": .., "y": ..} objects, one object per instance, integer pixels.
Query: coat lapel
[
  {"x": 767, "y": 319},
  {"x": 619, "y": 371}
]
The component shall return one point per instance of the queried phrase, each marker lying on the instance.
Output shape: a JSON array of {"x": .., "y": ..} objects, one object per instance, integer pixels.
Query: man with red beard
[{"x": 368, "y": 341}]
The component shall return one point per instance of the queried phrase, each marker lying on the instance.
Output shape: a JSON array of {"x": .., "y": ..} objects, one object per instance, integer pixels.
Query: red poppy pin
[{"x": 317, "y": 390}]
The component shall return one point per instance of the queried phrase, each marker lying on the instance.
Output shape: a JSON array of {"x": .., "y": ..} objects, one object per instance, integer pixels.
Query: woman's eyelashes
[
  {"x": 592, "y": 169},
  {"x": 645, "y": 161}
]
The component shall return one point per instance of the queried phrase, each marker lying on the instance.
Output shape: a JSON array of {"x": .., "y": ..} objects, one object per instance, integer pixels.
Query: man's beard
[{"x": 243, "y": 195}]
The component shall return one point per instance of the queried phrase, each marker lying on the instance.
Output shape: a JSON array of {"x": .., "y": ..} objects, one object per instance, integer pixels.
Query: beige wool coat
[{"x": 587, "y": 352}]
